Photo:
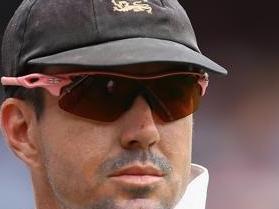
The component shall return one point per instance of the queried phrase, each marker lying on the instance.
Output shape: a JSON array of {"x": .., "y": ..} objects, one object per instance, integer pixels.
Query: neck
[{"x": 44, "y": 195}]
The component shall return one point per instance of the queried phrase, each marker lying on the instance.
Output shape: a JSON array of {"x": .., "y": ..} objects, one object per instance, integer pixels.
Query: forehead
[{"x": 135, "y": 69}]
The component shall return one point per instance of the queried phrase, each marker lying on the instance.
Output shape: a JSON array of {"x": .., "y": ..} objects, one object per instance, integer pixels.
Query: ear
[{"x": 18, "y": 123}]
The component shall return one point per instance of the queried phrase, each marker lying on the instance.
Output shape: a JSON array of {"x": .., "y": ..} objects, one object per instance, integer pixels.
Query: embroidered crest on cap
[{"x": 136, "y": 6}]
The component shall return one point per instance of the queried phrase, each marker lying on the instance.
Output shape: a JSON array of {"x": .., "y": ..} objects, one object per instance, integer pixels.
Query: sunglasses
[{"x": 105, "y": 96}]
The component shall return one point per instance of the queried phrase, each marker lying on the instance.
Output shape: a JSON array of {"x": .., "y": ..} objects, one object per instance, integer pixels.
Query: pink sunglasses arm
[
  {"x": 204, "y": 84},
  {"x": 54, "y": 84},
  {"x": 50, "y": 83}
]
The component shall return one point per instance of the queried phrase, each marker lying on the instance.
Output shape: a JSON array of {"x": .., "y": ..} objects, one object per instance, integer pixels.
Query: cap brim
[{"x": 130, "y": 51}]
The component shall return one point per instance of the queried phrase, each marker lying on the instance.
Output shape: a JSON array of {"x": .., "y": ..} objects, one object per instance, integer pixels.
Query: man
[{"x": 99, "y": 103}]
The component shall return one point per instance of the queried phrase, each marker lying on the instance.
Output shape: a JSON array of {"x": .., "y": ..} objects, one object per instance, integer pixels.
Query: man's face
[{"x": 135, "y": 162}]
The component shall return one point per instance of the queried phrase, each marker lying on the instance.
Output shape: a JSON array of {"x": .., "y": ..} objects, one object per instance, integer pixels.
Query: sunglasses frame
[{"x": 54, "y": 83}]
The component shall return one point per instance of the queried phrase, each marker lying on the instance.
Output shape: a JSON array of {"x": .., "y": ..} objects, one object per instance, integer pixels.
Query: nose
[{"x": 140, "y": 130}]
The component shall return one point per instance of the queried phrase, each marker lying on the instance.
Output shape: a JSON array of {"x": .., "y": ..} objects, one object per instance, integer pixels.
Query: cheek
[
  {"x": 72, "y": 155},
  {"x": 176, "y": 140},
  {"x": 176, "y": 145}
]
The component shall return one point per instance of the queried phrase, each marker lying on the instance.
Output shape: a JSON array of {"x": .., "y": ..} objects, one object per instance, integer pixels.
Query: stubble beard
[
  {"x": 110, "y": 204},
  {"x": 135, "y": 194}
]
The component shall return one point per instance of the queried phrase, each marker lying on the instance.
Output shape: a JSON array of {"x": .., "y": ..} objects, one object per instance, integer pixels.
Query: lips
[
  {"x": 138, "y": 171},
  {"x": 137, "y": 175}
]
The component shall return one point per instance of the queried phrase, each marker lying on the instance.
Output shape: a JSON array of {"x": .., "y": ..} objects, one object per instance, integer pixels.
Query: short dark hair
[{"x": 35, "y": 97}]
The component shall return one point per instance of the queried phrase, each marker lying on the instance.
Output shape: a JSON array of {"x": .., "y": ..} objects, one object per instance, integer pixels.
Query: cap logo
[{"x": 136, "y": 6}]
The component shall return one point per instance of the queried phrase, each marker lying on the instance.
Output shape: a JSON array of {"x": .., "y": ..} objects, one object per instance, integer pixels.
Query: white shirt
[{"x": 195, "y": 195}]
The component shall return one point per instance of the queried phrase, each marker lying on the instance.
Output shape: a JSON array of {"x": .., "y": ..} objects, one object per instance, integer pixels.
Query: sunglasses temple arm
[
  {"x": 52, "y": 84},
  {"x": 203, "y": 82}
]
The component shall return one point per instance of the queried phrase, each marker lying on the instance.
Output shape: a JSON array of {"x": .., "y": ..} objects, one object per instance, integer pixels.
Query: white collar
[{"x": 195, "y": 195}]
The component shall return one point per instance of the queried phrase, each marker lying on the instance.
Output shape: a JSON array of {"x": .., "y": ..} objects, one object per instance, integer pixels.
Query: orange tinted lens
[
  {"x": 106, "y": 97},
  {"x": 176, "y": 96},
  {"x": 99, "y": 97}
]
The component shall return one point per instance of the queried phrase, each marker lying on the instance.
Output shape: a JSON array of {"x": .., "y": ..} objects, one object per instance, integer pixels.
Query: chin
[
  {"x": 142, "y": 204},
  {"x": 130, "y": 204}
]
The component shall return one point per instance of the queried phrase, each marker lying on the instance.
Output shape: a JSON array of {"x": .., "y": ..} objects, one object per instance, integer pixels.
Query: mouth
[{"x": 137, "y": 175}]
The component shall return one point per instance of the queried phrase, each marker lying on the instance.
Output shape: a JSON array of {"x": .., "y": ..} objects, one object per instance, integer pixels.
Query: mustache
[{"x": 129, "y": 157}]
